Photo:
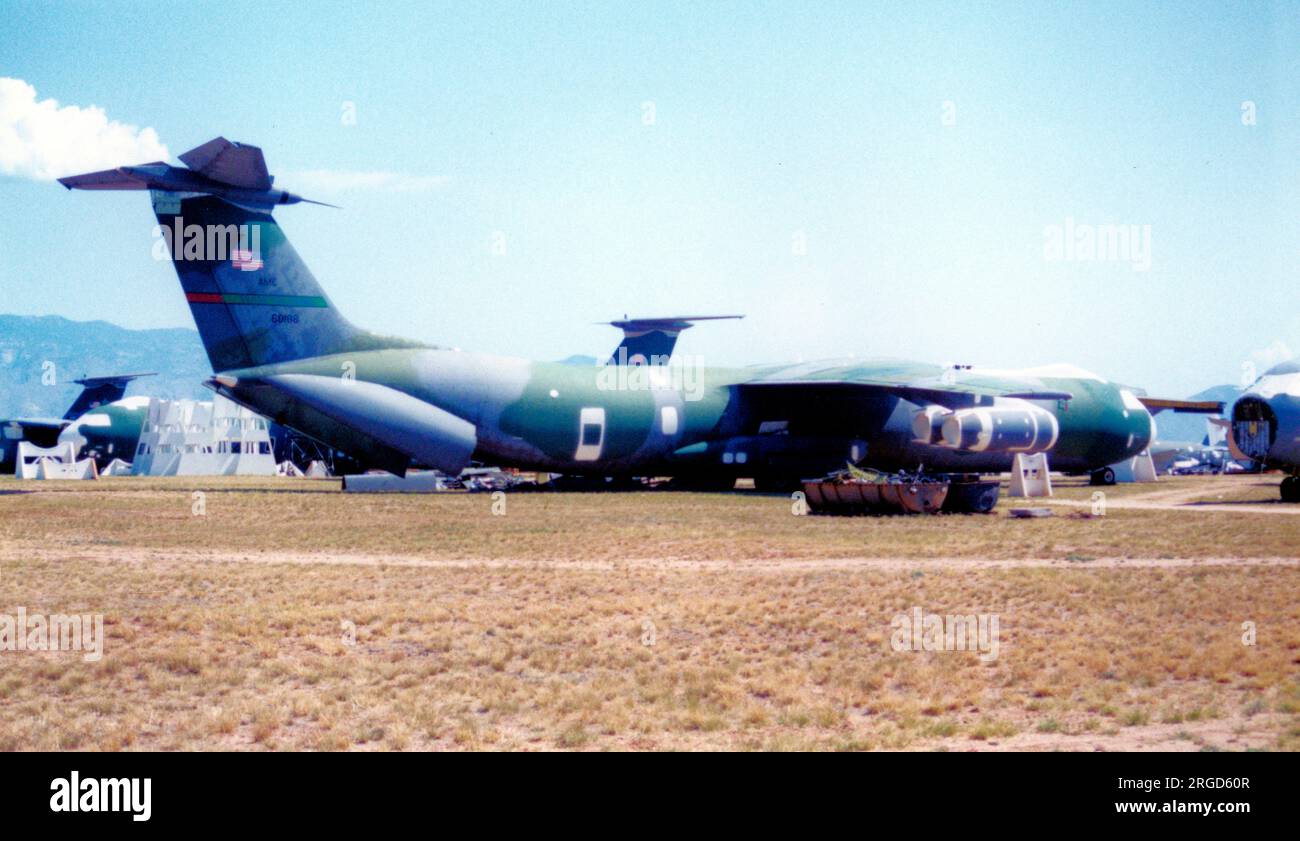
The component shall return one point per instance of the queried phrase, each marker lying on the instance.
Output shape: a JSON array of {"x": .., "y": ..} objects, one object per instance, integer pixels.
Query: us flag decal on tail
[{"x": 245, "y": 261}]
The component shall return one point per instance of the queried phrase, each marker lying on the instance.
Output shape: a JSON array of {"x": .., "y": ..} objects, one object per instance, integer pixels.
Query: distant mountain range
[
  {"x": 30, "y": 345},
  {"x": 97, "y": 348}
]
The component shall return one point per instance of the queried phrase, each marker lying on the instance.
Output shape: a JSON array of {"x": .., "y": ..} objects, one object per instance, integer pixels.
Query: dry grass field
[{"x": 283, "y": 614}]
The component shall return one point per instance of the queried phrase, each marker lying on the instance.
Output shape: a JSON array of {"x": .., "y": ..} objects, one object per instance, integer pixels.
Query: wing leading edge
[{"x": 944, "y": 390}]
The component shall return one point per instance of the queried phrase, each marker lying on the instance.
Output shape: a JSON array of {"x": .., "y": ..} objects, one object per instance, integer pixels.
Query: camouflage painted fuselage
[
  {"x": 110, "y": 431},
  {"x": 577, "y": 419}
]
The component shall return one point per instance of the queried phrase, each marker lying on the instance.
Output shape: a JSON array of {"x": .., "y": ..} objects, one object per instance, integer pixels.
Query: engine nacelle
[
  {"x": 1008, "y": 426},
  {"x": 927, "y": 424}
]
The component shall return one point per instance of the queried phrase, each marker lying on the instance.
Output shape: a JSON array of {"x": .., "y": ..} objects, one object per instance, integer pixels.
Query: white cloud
[
  {"x": 41, "y": 140},
  {"x": 1267, "y": 357},
  {"x": 342, "y": 180}
]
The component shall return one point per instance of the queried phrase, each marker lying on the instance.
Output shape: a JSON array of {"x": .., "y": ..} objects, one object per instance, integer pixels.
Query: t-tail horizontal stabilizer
[
  {"x": 650, "y": 341},
  {"x": 235, "y": 172}
]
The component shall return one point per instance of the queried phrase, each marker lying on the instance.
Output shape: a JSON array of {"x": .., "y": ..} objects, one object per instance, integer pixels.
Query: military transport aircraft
[
  {"x": 1265, "y": 425},
  {"x": 278, "y": 346},
  {"x": 110, "y": 425}
]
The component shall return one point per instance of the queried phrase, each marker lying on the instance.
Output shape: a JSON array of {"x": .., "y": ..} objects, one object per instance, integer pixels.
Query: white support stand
[
  {"x": 117, "y": 467},
  {"x": 57, "y": 462},
  {"x": 1029, "y": 475},
  {"x": 421, "y": 481},
  {"x": 1140, "y": 468}
]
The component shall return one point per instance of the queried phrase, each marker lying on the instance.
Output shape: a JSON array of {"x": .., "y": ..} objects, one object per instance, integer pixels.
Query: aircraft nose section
[
  {"x": 1138, "y": 422},
  {"x": 1145, "y": 433}
]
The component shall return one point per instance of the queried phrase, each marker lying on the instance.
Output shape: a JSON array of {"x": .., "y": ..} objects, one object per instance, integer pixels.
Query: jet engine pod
[
  {"x": 1009, "y": 426},
  {"x": 927, "y": 424}
]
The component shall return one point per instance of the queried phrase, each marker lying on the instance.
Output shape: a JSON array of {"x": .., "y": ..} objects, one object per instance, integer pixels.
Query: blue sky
[{"x": 773, "y": 125}]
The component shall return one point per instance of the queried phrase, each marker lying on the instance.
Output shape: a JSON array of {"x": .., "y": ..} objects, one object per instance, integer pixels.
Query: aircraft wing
[
  {"x": 948, "y": 390},
  {"x": 38, "y": 423},
  {"x": 42, "y": 431},
  {"x": 1205, "y": 407}
]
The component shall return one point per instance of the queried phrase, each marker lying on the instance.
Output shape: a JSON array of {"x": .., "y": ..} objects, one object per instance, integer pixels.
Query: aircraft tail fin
[
  {"x": 98, "y": 391},
  {"x": 254, "y": 300},
  {"x": 650, "y": 341}
]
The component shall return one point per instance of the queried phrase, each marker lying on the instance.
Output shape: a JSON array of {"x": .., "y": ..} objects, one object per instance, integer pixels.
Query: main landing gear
[{"x": 1105, "y": 476}]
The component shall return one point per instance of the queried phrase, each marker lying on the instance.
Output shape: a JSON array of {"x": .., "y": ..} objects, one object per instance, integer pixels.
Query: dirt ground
[{"x": 283, "y": 614}]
